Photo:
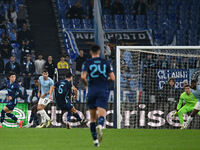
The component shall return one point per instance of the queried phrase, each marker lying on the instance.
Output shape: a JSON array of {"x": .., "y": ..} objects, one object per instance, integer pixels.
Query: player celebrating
[
  {"x": 44, "y": 86},
  {"x": 190, "y": 101},
  {"x": 34, "y": 103},
  {"x": 196, "y": 91},
  {"x": 98, "y": 71},
  {"x": 13, "y": 92},
  {"x": 64, "y": 90}
]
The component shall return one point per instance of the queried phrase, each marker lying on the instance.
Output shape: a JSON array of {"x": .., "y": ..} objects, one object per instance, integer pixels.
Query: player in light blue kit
[
  {"x": 44, "y": 86},
  {"x": 195, "y": 89}
]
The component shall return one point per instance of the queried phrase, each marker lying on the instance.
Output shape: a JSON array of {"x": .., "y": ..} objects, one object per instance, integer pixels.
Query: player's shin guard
[
  {"x": 69, "y": 116},
  {"x": 101, "y": 120},
  {"x": 77, "y": 116},
  {"x": 93, "y": 130},
  {"x": 13, "y": 117},
  {"x": 2, "y": 116}
]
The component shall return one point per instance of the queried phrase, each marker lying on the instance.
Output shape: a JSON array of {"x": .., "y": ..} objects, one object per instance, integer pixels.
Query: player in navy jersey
[
  {"x": 98, "y": 71},
  {"x": 13, "y": 89},
  {"x": 63, "y": 93},
  {"x": 34, "y": 103}
]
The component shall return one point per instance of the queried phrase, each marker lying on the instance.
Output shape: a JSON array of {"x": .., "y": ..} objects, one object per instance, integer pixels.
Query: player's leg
[
  {"x": 75, "y": 114},
  {"x": 33, "y": 117},
  {"x": 185, "y": 109},
  {"x": 3, "y": 113},
  {"x": 101, "y": 113},
  {"x": 93, "y": 119},
  {"x": 44, "y": 117},
  {"x": 194, "y": 112}
]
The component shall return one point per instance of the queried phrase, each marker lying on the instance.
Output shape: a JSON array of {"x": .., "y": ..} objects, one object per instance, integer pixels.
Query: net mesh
[{"x": 151, "y": 82}]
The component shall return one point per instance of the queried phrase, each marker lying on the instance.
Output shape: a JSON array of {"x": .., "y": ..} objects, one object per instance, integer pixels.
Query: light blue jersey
[
  {"x": 45, "y": 85},
  {"x": 196, "y": 92}
]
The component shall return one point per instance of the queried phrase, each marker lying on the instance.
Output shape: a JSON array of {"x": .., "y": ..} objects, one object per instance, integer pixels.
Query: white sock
[
  {"x": 189, "y": 120},
  {"x": 46, "y": 116},
  {"x": 42, "y": 114},
  {"x": 18, "y": 121}
]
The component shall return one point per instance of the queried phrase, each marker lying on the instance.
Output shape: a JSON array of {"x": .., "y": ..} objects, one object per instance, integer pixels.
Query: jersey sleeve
[
  {"x": 51, "y": 83},
  {"x": 40, "y": 79},
  {"x": 181, "y": 99},
  {"x": 85, "y": 66}
]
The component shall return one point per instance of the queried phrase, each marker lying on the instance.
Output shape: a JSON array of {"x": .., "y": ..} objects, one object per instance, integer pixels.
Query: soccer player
[
  {"x": 98, "y": 71},
  {"x": 13, "y": 92},
  {"x": 195, "y": 89},
  {"x": 190, "y": 101},
  {"x": 34, "y": 103},
  {"x": 64, "y": 90},
  {"x": 45, "y": 83}
]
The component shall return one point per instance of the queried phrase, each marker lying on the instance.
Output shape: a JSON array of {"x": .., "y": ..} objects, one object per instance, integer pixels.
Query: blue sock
[
  {"x": 101, "y": 120},
  {"x": 36, "y": 120},
  {"x": 13, "y": 117},
  {"x": 31, "y": 117},
  {"x": 69, "y": 116},
  {"x": 77, "y": 116},
  {"x": 93, "y": 130},
  {"x": 2, "y": 115}
]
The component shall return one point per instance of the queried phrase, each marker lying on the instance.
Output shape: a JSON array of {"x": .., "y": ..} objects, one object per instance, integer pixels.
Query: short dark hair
[
  {"x": 172, "y": 79},
  {"x": 36, "y": 78},
  {"x": 45, "y": 71},
  {"x": 11, "y": 73},
  {"x": 186, "y": 86},
  {"x": 68, "y": 74},
  {"x": 95, "y": 48},
  {"x": 193, "y": 81}
]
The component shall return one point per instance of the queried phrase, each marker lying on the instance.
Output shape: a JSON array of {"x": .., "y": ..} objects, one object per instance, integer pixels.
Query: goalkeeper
[{"x": 190, "y": 101}]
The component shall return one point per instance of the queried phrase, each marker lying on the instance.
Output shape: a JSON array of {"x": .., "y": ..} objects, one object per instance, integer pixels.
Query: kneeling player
[
  {"x": 13, "y": 92},
  {"x": 190, "y": 101},
  {"x": 98, "y": 71},
  {"x": 63, "y": 93}
]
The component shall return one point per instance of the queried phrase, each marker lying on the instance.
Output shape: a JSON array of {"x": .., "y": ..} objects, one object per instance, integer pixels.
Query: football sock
[
  {"x": 93, "y": 130},
  {"x": 42, "y": 114},
  {"x": 2, "y": 115},
  {"x": 36, "y": 119},
  {"x": 31, "y": 117},
  {"x": 46, "y": 116},
  {"x": 101, "y": 120},
  {"x": 13, "y": 117},
  {"x": 77, "y": 116},
  {"x": 69, "y": 116}
]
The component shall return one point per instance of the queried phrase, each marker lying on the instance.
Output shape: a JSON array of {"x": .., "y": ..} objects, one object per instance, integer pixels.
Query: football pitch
[{"x": 113, "y": 139}]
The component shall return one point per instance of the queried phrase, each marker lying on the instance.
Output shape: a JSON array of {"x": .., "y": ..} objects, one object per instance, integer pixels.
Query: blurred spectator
[
  {"x": 174, "y": 64},
  {"x": 12, "y": 15},
  {"x": 162, "y": 63},
  {"x": 3, "y": 23},
  {"x": 5, "y": 49},
  {"x": 91, "y": 6},
  {"x": 197, "y": 62},
  {"x": 62, "y": 64},
  {"x": 106, "y": 6},
  {"x": 12, "y": 66},
  {"x": 39, "y": 65},
  {"x": 1, "y": 65},
  {"x": 21, "y": 15},
  {"x": 26, "y": 48},
  {"x": 24, "y": 34},
  {"x": 22, "y": 89},
  {"x": 107, "y": 51},
  {"x": 151, "y": 4},
  {"x": 13, "y": 35},
  {"x": 184, "y": 63},
  {"x": 139, "y": 8},
  {"x": 124, "y": 78},
  {"x": 117, "y": 8},
  {"x": 169, "y": 93},
  {"x": 28, "y": 68},
  {"x": 50, "y": 66},
  {"x": 76, "y": 11},
  {"x": 68, "y": 60},
  {"x": 78, "y": 67}
]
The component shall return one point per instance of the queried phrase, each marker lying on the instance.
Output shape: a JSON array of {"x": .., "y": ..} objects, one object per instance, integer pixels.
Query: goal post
[{"x": 137, "y": 55}]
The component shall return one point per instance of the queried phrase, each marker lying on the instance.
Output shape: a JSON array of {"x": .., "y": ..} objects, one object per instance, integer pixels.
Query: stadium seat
[{"x": 141, "y": 21}]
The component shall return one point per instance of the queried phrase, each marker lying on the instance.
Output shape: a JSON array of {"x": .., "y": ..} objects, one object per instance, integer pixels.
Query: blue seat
[{"x": 141, "y": 21}]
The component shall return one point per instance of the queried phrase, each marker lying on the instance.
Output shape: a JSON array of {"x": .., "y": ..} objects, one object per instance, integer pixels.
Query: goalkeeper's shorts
[{"x": 197, "y": 106}]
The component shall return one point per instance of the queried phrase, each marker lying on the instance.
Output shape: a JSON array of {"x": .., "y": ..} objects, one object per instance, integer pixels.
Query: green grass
[{"x": 113, "y": 139}]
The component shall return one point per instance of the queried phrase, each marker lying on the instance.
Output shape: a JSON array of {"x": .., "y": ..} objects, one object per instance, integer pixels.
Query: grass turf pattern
[{"x": 113, "y": 139}]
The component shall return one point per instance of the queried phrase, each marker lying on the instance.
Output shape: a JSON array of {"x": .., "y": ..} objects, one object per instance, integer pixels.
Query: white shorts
[
  {"x": 44, "y": 101},
  {"x": 197, "y": 106}
]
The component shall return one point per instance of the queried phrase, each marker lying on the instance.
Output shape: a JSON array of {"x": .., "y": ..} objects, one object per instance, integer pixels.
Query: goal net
[{"x": 149, "y": 81}]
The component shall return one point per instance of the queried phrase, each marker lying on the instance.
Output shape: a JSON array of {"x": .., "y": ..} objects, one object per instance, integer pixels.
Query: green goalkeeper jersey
[{"x": 190, "y": 100}]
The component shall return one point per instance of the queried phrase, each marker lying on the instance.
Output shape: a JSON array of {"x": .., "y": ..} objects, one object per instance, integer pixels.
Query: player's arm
[
  {"x": 51, "y": 91},
  {"x": 180, "y": 103},
  {"x": 39, "y": 90},
  {"x": 75, "y": 91},
  {"x": 84, "y": 78},
  {"x": 112, "y": 76}
]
